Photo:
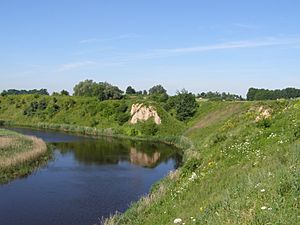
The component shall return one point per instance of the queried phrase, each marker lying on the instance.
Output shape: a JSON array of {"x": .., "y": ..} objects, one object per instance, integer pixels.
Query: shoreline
[{"x": 23, "y": 162}]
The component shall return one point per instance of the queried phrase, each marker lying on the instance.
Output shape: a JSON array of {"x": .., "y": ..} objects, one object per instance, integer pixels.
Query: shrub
[
  {"x": 264, "y": 123},
  {"x": 123, "y": 118},
  {"x": 149, "y": 128},
  {"x": 122, "y": 108},
  {"x": 133, "y": 132}
]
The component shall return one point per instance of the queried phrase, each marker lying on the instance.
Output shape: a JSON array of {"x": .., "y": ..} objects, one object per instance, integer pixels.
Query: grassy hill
[
  {"x": 243, "y": 167},
  {"x": 241, "y": 159},
  {"x": 79, "y": 114}
]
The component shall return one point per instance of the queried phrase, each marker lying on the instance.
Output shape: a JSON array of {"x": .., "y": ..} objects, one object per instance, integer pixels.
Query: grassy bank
[
  {"x": 241, "y": 159},
  {"x": 243, "y": 168},
  {"x": 19, "y": 154},
  {"x": 84, "y": 114}
]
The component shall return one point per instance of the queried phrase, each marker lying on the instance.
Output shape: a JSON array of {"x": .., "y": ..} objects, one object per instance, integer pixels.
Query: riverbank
[
  {"x": 241, "y": 165},
  {"x": 20, "y": 155},
  {"x": 243, "y": 168}
]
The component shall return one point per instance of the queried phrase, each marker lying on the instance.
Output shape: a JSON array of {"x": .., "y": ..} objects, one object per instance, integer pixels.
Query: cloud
[
  {"x": 120, "y": 37},
  {"x": 122, "y": 58},
  {"x": 266, "y": 42},
  {"x": 75, "y": 65}
]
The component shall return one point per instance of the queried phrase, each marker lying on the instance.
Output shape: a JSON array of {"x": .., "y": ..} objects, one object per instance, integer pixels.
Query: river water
[{"x": 88, "y": 179}]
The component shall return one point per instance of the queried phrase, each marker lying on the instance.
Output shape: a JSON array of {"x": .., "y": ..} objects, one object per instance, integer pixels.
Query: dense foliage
[
  {"x": 219, "y": 96},
  {"x": 76, "y": 113},
  {"x": 265, "y": 94},
  {"x": 184, "y": 104},
  {"x": 130, "y": 90},
  {"x": 158, "y": 93},
  {"x": 102, "y": 90},
  {"x": 22, "y": 92}
]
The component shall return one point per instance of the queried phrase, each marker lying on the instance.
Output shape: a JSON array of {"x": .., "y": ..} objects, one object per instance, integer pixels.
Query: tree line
[
  {"x": 266, "y": 94},
  {"x": 23, "y": 92},
  {"x": 217, "y": 96}
]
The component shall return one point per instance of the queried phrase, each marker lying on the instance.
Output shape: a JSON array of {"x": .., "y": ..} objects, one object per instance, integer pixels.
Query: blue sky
[{"x": 219, "y": 45}]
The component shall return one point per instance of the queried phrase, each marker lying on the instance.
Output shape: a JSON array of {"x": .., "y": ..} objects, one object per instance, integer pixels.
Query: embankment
[{"x": 20, "y": 154}]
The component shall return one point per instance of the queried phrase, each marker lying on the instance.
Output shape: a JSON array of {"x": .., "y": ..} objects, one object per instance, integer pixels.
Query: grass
[
  {"x": 81, "y": 112},
  {"x": 19, "y": 154},
  {"x": 240, "y": 167},
  {"x": 239, "y": 172}
]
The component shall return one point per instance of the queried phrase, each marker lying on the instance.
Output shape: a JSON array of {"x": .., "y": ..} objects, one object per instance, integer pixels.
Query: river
[{"x": 88, "y": 179}]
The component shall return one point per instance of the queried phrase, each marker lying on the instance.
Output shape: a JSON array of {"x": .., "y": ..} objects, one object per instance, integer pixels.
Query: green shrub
[
  {"x": 122, "y": 108},
  {"x": 148, "y": 128},
  {"x": 134, "y": 132},
  {"x": 123, "y": 118},
  {"x": 264, "y": 123}
]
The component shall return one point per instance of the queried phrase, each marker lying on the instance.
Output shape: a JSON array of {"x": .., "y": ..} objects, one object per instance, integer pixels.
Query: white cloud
[
  {"x": 123, "y": 58},
  {"x": 169, "y": 52},
  {"x": 234, "y": 45},
  {"x": 122, "y": 36}
]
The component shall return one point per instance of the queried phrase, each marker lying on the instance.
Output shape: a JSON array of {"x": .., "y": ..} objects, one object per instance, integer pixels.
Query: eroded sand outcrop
[
  {"x": 140, "y": 112},
  {"x": 264, "y": 113}
]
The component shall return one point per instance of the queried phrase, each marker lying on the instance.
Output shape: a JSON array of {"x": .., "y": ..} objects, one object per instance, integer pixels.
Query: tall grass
[
  {"x": 241, "y": 171},
  {"x": 19, "y": 154}
]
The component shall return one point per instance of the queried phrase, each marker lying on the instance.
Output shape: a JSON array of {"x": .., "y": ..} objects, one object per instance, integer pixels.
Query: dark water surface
[{"x": 87, "y": 180}]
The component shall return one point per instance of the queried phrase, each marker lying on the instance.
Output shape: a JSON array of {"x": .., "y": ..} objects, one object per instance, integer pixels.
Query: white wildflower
[
  {"x": 178, "y": 221},
  {"x": 262, "y": 190},
  {"x": 193, "y": 177},
  {"x": 264, "y": 207}
]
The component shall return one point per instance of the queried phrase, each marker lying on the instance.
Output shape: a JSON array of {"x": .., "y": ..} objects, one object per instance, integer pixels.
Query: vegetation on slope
[
  {"x": 241, "y": 159},
  {"x": 84, "y": 114},
  {"x": 242, "y": 167},
  {"x": 19, "y": 154}
]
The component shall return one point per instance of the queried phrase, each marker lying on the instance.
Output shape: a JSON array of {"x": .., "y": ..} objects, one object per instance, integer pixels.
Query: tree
[
  {"x": 265, "y": 94},
  {"x": 157, "y": 89},
  {"x": 101, "y": 90},
  {"x": 158, "y": 93},
  {"x": 64, "y": 92},
  {"x": 130, "y": 91},
  {"x": 85, "y": 88},
  {"x": 24, "y": 92},
  {"x": 185, "y": 105}
]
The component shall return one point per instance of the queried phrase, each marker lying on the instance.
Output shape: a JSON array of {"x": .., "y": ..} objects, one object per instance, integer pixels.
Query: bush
[
  {"x": 264, "y": 123},
  {"x": 122, "y": 108},
  {"x": 133, "y": 132},
  {"x": 149, "y": 128},
  {"x": 123, "y": 118}
]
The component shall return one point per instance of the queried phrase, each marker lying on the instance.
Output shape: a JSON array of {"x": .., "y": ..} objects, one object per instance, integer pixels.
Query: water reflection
[
  {"x": 112, "y": 151},
  {"x": 89, "y": 179}
]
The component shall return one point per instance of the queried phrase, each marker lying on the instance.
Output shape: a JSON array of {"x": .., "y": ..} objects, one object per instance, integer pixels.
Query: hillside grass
[
  {"x": 19, "y": 154},
  {"x": 239, "y": 170},
  {"x": 241, "y": 159},
  {"x": 109, "y": 117}
]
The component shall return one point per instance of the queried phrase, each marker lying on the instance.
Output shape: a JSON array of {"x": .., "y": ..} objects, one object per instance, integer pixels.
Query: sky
[{"x": 199, "y": 45}]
